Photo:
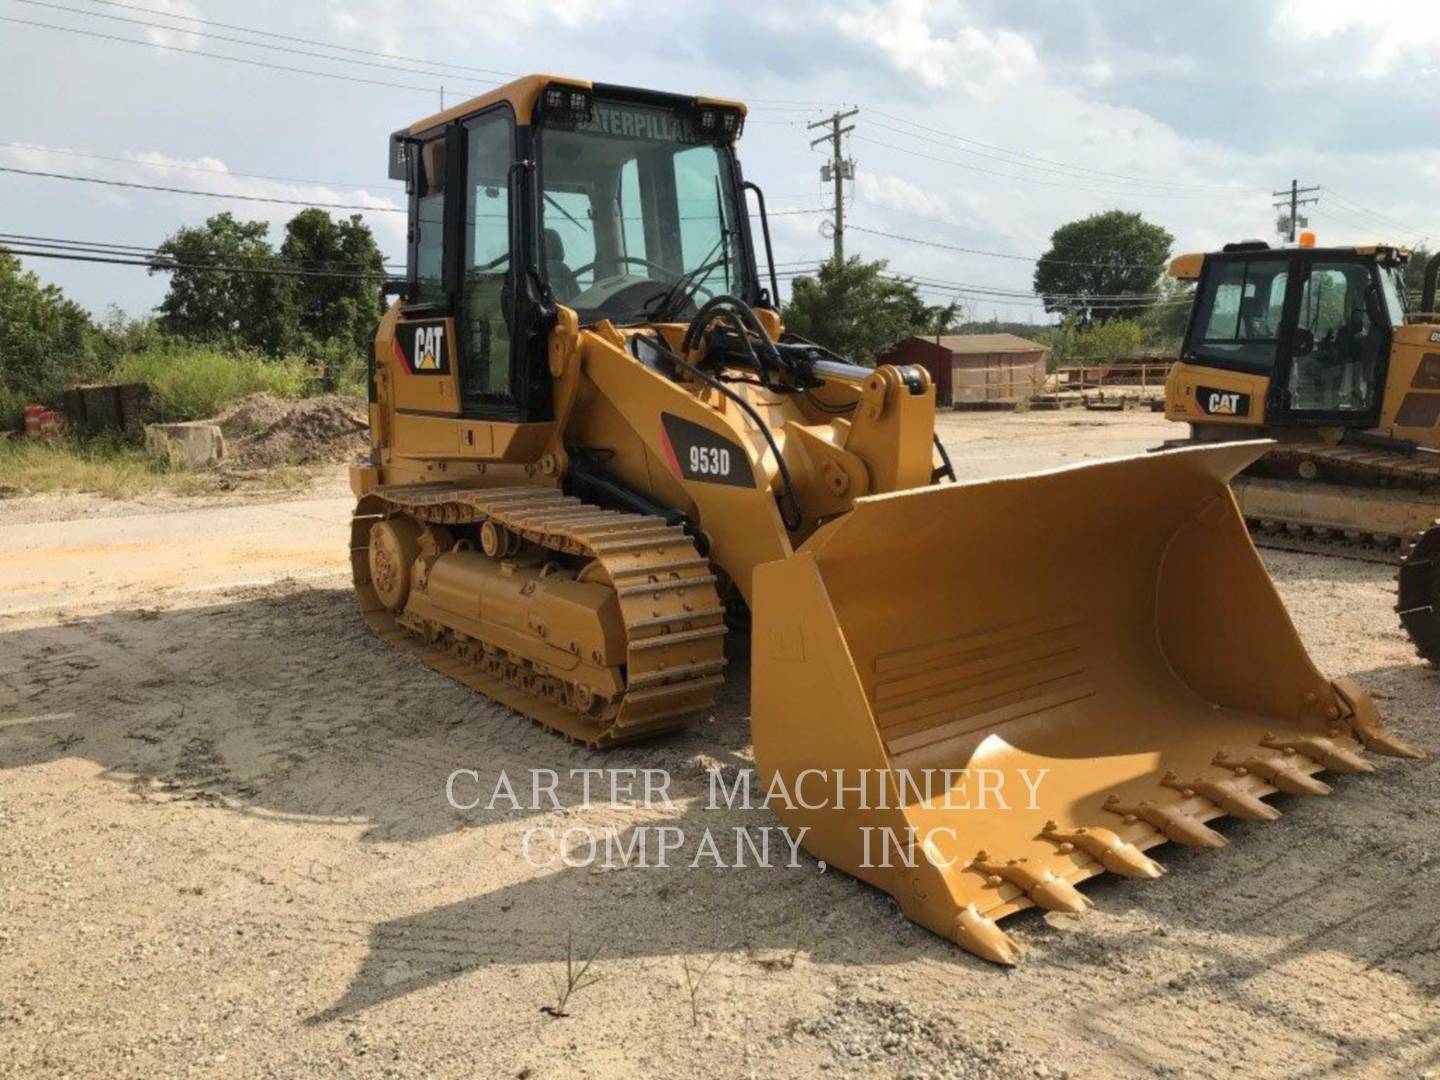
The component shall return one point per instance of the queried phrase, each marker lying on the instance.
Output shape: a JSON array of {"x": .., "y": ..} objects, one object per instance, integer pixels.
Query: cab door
[
  {"x": 1333, "y": 362},
  {"x": 486, "y": 265},
  {"x": 470, "y": 339}
]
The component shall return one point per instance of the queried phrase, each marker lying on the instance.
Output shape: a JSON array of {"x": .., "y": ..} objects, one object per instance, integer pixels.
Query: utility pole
[
  {"x": 839, "y": 169},
  {"x": 1294, "y": 199}
]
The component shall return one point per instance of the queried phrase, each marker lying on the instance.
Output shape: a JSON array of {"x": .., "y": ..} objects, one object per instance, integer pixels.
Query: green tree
[
  {"x": 1165, "y": 322},
  {"x": 854, "y": 309},
  {"x": 1415, "y": 275},
  {"x": 1113, "y": 254},
  {"x": 340, "y": 304},
  {"x": 222, "y": 288},
  {"x": 47, "y": 342}
]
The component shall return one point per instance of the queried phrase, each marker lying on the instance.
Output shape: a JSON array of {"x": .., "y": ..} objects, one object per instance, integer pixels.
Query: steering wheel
[{"x": 578, "y": 270}]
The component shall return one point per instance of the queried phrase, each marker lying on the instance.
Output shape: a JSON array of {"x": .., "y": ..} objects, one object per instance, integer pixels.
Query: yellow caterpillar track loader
[
  {"x": 597, "y": 455},
  {"x": 1316, "y": 349}
]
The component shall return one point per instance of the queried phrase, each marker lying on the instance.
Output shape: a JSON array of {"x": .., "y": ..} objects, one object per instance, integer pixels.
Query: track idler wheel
[{"x": 394, "y": 546}]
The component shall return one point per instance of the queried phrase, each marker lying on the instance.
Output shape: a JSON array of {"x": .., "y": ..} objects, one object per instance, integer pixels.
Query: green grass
[
  {"x": 190, "y": 383},
  {"x": 117, "y": 472},
  {"x": 114, "y": 471}
]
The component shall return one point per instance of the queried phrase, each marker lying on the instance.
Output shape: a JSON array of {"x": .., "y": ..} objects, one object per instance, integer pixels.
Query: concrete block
[{"x": 193, "y": 445}]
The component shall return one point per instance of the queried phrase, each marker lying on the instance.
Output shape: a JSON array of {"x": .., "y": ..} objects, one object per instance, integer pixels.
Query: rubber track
[{"x": 674, "y": 620}]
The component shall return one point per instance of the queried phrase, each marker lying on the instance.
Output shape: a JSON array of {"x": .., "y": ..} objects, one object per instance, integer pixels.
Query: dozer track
[
  {"x": 1354, "y": 502},
  {"x": 672, "y": 616}
]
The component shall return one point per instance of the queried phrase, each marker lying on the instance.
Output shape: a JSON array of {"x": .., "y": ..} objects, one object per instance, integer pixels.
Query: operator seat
[{"x": 563, "y": 282}]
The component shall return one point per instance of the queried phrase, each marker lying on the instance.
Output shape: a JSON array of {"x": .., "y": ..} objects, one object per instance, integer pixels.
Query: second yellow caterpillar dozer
[{"x": 597, "y": 454}]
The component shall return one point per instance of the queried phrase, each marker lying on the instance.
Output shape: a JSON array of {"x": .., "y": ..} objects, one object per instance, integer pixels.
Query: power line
[
  {"x": 193, "y": 168},
  {"x": 115, "y": 259},
  {"x": 1128, "y": 177},
  {"x": 1125, "y": 300},
  {"x": 219, "y": 56},
  {"x": 1035, "y": 180},
  {"x": 247, "y": 44},
  {"x": 210, "y": 194},
  {"x": 488, "y": 83},
  {"x": 1004, "y": 255},
  {"x": 1389, "y": 222},
  {"x": 303, "y": 41},
  {"x": 922, "y": 217},
  {"x": 137, "y": 250}
]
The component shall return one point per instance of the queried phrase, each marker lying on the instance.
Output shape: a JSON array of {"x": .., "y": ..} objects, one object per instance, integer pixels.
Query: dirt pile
[
  {"x": 252, "y": 414},
  {"x": 271, "y": 432}
]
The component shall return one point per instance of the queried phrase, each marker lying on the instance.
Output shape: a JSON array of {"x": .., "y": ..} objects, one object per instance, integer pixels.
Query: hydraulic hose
[{"x": 794, "y": 518}]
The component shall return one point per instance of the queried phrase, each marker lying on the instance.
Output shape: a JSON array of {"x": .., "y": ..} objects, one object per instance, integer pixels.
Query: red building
[{"x": 976, "y": 368}]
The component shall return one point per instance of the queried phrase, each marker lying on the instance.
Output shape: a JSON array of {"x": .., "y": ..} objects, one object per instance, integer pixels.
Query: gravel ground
[{"x": 225, "y": 850}]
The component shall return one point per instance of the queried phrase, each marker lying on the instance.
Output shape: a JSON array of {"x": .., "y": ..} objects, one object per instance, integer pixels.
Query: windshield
[
  {"x": 638, "y": 217},
  {"x": 1238, "y": 313}
]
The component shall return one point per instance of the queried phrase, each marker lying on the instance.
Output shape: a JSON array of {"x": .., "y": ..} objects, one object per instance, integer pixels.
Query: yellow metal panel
[
  {"x": 1201, "y": 395},
  {"x": 1187, "y": 267},
  {"x": 521, "y": 94},
  {"x": 1075, "y": 636}
]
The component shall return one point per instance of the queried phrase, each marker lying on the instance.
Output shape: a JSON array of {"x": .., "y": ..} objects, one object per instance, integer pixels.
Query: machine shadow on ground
[{"x": 279, "y": 702}]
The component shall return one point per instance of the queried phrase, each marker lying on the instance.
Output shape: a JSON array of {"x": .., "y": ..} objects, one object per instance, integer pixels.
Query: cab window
[
  {"x": 640, "y": 215},
  {"x": 1338, "y": 344},
  {"x": 1238, "y": 316},
  {"x": 485, "y": 332},
  {"x": 428, "y": 241}
]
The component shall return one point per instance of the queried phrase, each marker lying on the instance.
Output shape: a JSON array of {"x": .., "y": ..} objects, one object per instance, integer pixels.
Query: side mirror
[{"x": 1304, "y": 344}]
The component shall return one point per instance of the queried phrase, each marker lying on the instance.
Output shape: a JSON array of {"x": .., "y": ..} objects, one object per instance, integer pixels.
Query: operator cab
[
  {"x": 624, "y": 205},
  {"x": 1317, "y": 322}
]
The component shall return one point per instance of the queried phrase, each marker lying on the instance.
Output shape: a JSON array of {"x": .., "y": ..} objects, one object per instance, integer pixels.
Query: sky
[{"x": 983, "y": 124}]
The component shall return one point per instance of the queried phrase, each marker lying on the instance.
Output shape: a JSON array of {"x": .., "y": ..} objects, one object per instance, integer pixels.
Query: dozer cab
[
  {"x": 597, "y": 455},
  {"x": 1318, "y": 349}
]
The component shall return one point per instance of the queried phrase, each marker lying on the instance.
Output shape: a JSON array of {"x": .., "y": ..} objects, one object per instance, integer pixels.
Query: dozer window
[
  {"x": 1338, "y": 346},
  {"x": 639, "y": 216},
  {"x": 485, "y": 364},
  {"x": 1239, "y": 314},
  {"x": 429, "y": 238}
]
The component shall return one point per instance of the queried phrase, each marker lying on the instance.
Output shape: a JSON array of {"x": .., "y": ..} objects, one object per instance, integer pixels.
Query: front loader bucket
[{"x": 975, "y": 696}]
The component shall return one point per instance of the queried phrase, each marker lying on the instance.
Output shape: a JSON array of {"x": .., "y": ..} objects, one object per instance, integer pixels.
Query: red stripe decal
[
  {"x": 670, "y": 452},
  {"x": 400, "y": 356}
]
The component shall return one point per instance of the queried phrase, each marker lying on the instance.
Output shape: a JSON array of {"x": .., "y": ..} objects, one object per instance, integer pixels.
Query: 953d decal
[
  {"x": 696, "y": 453},
  {"x": 422, "y": 347}
]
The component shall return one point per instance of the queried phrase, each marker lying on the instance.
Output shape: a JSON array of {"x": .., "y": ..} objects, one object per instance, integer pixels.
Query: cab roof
[
  {"x": 522, "y": 93},
  {"x": 1187, "y": 267}
]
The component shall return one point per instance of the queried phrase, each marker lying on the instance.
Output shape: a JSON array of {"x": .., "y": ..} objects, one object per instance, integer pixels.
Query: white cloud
[
  {"x": 178, "y": 37},
  {"x": 1387, "y": 35},
  {"x": 933, "y": 42},
  {"x": 421, "y": 32}
]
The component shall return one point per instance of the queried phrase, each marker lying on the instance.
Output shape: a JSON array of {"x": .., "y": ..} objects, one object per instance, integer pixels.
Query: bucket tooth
[
  {"x": 1276, "y": 771},
  {"x": 1329, "y": 753},
  {"x": 1365, "y": 721},
  {"x": 1107, "y": 848},
  {"x": 975, "y": 933},
  {"x": 1177, "y": 826},
  {"x": 1228, "y": 795},
  {"x": 1046, "y": 888},
  {"x": 1382, "y": 742}
]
